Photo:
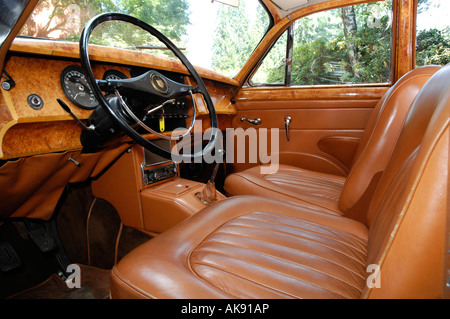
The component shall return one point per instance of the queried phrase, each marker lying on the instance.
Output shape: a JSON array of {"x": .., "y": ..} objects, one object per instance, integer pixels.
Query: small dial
[
  {"x": 114, "y": 75},
  {"x": 77, "y": 89}
]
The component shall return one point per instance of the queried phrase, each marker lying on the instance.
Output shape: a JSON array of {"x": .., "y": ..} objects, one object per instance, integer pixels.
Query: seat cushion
[
  {"x": 290, "y": 184},
  {"x": 249, "y": 247}
]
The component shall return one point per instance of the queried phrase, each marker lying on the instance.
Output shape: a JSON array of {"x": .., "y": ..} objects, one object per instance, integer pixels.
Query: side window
[
  {"x": 432, "y": 32},
  {"x": 273, "y": 68},
  {"x": 349, "y": 45}
]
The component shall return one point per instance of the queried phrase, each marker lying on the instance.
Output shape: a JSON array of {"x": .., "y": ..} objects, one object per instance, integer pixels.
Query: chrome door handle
[
  {"x": 287, "y": 122},
  {"x": 256, "y": 121}
]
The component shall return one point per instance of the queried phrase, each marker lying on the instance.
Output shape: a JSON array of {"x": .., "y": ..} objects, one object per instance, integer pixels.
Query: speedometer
[{"x": 77, "y": 89}]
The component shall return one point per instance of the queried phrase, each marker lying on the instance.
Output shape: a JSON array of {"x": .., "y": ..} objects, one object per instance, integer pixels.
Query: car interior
[{"x": 311, "y": 166}]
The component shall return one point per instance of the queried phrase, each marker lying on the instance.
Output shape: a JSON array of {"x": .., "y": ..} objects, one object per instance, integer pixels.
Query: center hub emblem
[{"x": 159, "y": 84}]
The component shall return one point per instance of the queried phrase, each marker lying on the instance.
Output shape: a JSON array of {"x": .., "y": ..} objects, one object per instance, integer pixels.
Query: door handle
[
  {"x": 287, "y": 122},
  {"x": 256, "y": 121}
]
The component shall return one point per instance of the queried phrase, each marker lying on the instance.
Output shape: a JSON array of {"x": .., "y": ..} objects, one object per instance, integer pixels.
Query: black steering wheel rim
[{"x": 130, "y": 131}]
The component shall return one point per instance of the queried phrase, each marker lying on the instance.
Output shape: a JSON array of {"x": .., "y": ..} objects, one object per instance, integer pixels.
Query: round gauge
[
  {"x": 114, "y": 75},
  {"x": 77, "y": 89}
]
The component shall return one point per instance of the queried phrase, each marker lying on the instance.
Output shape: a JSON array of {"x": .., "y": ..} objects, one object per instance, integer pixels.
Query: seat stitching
[
  {"x": 239, "y": 276},
  {"x": 345, "y": 234},
  {"x": 258, "y": 266},
  {"x": 297, "y": 180},
  {"x": 295, "y": 199},
  {"x": 285, "y": 275},
  {"x": 120, "y": 276},
  {"x": 305, "y": 239},
  {"x": 318, "y": 236},
  {"x": 312, "y": 192},
  {"x": 297, "y": 220},
  {"x": 329, "y": 177},
  {"x": 278, "y": 258},
  {"x": 301, "y": 251}
]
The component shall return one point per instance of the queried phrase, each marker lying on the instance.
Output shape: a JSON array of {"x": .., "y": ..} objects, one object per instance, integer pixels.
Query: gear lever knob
[{"x": 209, "y": 195}]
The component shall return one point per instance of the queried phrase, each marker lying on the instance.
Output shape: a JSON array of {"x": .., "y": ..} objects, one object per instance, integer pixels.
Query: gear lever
[{"x": 208, "y": 195}]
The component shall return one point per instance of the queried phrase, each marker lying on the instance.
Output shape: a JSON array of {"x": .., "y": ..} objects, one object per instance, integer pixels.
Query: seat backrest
[
  {"x": 407, "y": 213},
  {"x": 379, "y": 139}
]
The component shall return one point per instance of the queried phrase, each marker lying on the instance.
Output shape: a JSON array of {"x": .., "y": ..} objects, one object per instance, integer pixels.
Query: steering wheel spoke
[{"x": 151, "y": 82}]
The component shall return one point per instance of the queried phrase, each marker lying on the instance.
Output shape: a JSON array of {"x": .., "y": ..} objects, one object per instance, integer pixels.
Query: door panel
[{"x": 326, "y": 125}]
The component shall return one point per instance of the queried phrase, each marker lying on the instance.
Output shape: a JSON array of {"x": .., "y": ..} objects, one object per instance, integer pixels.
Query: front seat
[
  {"x": 256, "y": 247},
  {"x": 338, "y": 194}
]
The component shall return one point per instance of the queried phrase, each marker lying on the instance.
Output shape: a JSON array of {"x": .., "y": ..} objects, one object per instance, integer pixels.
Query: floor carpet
[{"x": 94, "y": 284}]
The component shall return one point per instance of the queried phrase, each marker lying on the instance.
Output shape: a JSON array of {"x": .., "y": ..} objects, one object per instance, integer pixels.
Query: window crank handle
[
  {"x": 256, "y": 121},
  {"x": 287, "y": 122}
]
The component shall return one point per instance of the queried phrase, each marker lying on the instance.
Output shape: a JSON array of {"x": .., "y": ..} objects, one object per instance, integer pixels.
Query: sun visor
[{"x": 285, "y": 7}]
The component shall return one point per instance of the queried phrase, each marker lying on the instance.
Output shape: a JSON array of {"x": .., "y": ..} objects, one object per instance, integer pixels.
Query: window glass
[
  {"x": 433, "y": 32},
  {"x": 211, "y": 34},
  {"x": 349, "y": 45},
  {"x": 273, "y": 68}
]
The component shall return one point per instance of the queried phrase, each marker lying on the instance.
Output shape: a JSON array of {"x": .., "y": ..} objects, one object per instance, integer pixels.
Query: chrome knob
[
  {"x": 256, "y": 121},
  {"x": 287, "y": 122}
]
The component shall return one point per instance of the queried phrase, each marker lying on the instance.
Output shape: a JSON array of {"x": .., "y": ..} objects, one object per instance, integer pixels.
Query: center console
[
  {"x": 147, "y": 191},
  {"x": 155, "y": 168}
]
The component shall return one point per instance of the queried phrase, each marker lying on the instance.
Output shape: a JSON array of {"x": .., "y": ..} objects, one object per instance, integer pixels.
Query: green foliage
[
  {"x": 315, "y": 63},
  {"x": 272, "y": 68},
  {"x": 229, "y": 41},
  {"x": 168, "y": 16},
  {"x": 433, "y": 47},
  {"x": 423, "y": 5},
  {"x": 321, "y": 52},
  {"x": 235, "y": 37},
  {"x": 374, "y": 44},
  {"x": 432, "y": 44}
]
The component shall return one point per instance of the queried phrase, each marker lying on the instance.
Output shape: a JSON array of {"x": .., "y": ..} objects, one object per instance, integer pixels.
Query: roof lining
[{"x": 285, "y": 7}]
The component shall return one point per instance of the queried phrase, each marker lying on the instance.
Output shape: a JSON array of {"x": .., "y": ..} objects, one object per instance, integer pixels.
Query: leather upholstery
[
  {"x": 233, "y": 250},
  {"x": 31, "y": 186},
  {"x": 337, "y": 194},
  {"x": 291, "y": 184},
  {"x": 256, "y": 247}
]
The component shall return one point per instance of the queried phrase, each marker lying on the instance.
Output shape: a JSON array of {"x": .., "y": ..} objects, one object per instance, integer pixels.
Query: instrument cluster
[{"x": 77, "y": 89}]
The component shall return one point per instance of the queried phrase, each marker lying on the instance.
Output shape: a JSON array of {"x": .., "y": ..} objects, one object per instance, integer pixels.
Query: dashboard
[{"x": 32, "y": 121}]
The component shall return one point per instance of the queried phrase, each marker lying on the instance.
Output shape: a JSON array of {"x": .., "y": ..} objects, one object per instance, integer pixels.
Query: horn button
[{"x": 159, "y": 84}]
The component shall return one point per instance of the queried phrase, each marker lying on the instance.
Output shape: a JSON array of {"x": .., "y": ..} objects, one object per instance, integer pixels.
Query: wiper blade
[{"x": 150, "y": 47}]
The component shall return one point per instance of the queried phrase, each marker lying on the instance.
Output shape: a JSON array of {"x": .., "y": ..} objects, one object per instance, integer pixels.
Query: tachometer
[
  {"x": 114, "y": 75},
  {"x": 77, "y": 89}
]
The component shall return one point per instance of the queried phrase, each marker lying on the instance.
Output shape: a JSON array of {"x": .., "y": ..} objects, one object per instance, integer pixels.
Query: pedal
[
  {"x": 9, "y": 259},
  {"x": 42, "y": 239}
]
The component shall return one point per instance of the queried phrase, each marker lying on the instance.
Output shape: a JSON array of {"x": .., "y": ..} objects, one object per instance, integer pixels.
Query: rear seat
[
  {"x": 337, "y": 194},
  {"x": 256, "y": 247}
]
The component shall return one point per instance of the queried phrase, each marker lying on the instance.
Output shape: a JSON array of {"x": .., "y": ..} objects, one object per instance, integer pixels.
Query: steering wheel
[{"x": 151, "y": 82}]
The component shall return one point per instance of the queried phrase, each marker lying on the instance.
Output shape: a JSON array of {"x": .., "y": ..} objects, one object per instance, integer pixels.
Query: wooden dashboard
[{"x": 36, "y": 66}]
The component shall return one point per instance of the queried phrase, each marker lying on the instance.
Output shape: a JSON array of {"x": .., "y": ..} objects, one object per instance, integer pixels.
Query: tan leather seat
[
  {"x": 338, "y": 194},
  {"x": 256, "y": 247}
]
